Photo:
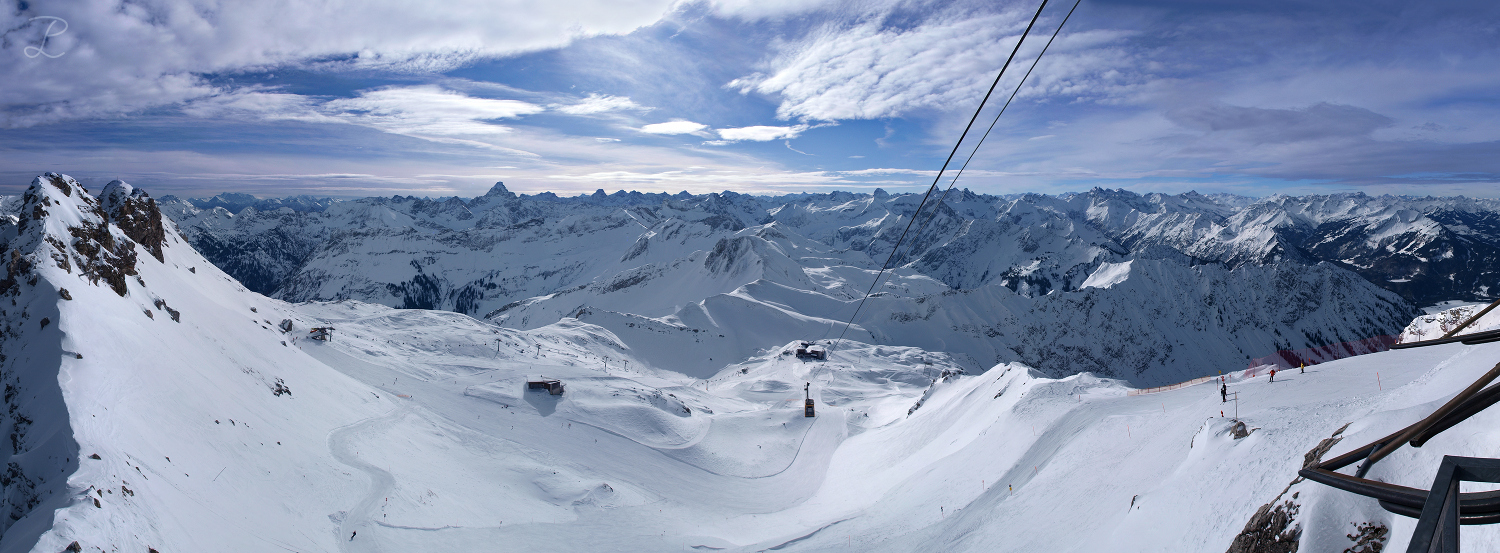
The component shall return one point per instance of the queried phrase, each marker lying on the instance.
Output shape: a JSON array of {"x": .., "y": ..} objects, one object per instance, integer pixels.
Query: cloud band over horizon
[{"x": 198, "y": 97}]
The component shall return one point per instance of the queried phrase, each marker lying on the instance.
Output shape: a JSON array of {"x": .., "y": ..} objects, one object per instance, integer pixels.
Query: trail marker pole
[
  {"x": 1127, "y": 431},
  {"x": 1377, "y": 381}
]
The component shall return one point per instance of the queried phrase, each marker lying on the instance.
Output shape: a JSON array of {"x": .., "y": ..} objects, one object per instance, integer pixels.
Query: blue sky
[{"x": 196, "y": 97}]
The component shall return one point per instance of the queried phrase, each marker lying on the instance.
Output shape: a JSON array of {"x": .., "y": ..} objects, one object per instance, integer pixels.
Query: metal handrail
[
  {"x": 1437, "y": 527},
  {"x": 1441, "y": 510},
  {"x": 1411, "y": 432},
  {"x": 1472, "y": 508}
]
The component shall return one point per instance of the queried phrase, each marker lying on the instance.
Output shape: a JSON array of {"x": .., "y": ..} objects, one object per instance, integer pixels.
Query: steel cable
[{"x": 939, "y": 176}]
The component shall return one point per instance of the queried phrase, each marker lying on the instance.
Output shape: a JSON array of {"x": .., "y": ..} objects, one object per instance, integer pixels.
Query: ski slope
[{"x": 412, "y": 430}]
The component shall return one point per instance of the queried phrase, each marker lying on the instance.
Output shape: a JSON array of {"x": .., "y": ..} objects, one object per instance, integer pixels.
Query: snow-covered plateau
[{"x": 154, "y": 403}]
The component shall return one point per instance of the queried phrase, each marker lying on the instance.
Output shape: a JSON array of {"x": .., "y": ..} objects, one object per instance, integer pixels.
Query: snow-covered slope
[
  {"x": 149, "y": 402},
  {"x": 413, "y": 430}
]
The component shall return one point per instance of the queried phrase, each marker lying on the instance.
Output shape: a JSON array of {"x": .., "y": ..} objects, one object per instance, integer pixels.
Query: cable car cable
[
  {"x": 933, "y": 186},
  {"x": 939, "y": 203}
]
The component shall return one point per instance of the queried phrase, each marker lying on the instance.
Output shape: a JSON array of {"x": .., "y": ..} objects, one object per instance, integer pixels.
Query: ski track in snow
[{"x": 340, "y": 444}]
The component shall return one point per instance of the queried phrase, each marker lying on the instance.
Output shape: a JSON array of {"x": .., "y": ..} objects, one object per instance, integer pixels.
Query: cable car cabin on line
[
  {"x": 551, "y": 385},
  {"x": 807, "y": 403}
]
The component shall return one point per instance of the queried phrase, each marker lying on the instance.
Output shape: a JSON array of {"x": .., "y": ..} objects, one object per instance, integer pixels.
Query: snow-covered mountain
[
  {"x": 154, "y": 403},
  {"x": 989, "y": 279}
]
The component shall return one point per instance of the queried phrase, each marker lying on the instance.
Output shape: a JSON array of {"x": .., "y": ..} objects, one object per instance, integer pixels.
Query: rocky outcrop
[
  {"x": 137, "y": 215},
  {"x": 1274, "y": 527},
  {"x": 78, "y": 237}
]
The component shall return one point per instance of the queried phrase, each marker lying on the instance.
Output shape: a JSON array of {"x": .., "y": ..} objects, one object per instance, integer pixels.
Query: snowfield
[{"x": 413, "y": 430}]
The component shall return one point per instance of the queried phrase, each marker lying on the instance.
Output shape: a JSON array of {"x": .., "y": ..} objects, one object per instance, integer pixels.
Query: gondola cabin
[
  {"x": 807, "y": 405},
  {"x": 551, "y": 385}
]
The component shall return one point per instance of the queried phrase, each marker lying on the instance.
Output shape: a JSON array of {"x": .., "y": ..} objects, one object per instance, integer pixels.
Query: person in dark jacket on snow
[{"x": 1223, "y": 392}]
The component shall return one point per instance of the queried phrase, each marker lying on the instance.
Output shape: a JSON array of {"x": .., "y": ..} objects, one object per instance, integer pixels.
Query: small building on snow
[{"x": 551, "y": 385}]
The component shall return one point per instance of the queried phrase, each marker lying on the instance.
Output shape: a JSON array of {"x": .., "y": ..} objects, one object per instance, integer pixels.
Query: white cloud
[
  {"x": 678, "y": 126},
  {"x": 762, "y": 133},
  {"x": 428, "y": 110},
  {"x": 119, "y": 56},
  {"x": 600, "y": 103},
  {"x": 873, "y": 70}
]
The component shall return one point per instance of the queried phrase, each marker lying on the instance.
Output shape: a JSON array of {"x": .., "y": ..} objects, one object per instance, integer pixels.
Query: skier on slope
[
  {"x": 1223, "y": 392},
  {"x": 1273, "y": 374}
]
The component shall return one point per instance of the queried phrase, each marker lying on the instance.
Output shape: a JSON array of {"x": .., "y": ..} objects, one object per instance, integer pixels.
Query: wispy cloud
[
  {"x": 119, "y": 57},
  {"x": 874, "y": 69},
  {"x": 428, "y": 111},
  {"x": 601, "y": 103},
  {"x": 385, "y": 95}
]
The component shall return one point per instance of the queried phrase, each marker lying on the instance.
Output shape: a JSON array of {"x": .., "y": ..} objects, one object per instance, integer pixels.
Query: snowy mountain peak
[
  {"x": 116, "y": 192},
  {"x": 500, "y": 191},
  {"x": 61, "y": 224}
]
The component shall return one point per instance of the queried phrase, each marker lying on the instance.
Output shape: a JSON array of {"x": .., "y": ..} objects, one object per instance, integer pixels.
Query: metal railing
[
  {"x": 1437, "y": 529},
  {"x": 1443, "y": 506}
]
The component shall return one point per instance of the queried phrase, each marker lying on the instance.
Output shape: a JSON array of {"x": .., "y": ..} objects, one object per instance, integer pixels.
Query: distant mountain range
[
  {"x": 1145, "y": 287},
  {"x": 1151, "y": 288}
]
